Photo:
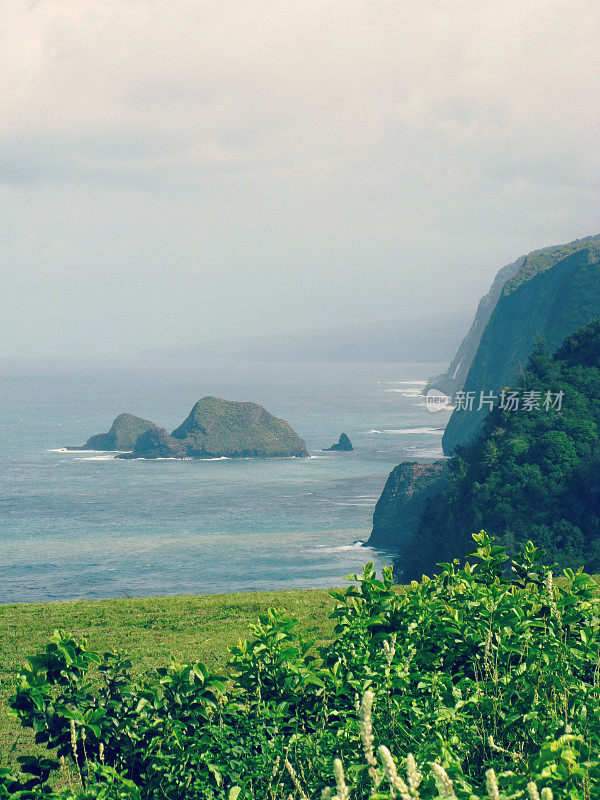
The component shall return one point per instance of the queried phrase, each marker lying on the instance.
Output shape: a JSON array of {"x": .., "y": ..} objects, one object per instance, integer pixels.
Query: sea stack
[
  {"x": 343, "y": 444},
  {"x": 217, "y": 428},
  {"x": 123, "y": 434}
]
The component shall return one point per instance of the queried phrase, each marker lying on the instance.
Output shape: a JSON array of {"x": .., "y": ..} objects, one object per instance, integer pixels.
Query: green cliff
[
  {"x": 217, "y": 428},
  {"x": 454, "y": 377},
  {"x": 157, "y": 443},
  {"x": 399, "y": 508},
  {"x": 531, "y": 474},
  {"x": 554, "y": 292},
  {"x": 123, "y": 434}
]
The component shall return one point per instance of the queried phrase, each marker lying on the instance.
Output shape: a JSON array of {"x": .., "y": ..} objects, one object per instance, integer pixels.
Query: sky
[{"x": 176, "y": 172}]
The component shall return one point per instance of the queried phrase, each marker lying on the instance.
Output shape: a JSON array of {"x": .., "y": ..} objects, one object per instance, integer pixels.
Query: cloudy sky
[{"x": 173, "y": 172}]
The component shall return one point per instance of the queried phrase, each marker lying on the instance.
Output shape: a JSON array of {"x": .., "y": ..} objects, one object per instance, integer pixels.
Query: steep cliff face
[
  {"x": 399, "y": 508},
  {"x": 555, "y": 292},
  {"x": 550, "y": 292},
  {"x": 123, "y": 434},
  {"x": 454, "y": 377},
  {"x": 530, "y": 475}
]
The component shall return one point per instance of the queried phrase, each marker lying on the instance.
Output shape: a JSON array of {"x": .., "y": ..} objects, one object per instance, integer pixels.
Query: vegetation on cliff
[
  {"x": 531, "y": 474},
  {"x": 478, "y": 683},
  {"x": 554, "y": 292},
  {"x": 215, "y": 428},
  {"x": 123, "y": 434},
  {"x": 223, "y": 428},
  {"x": 158, "y": 444},
  {"x": 398, "y": 510}
]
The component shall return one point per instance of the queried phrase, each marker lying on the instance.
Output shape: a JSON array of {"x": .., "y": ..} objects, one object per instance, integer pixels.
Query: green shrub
[{"x": 488, "y": 673}]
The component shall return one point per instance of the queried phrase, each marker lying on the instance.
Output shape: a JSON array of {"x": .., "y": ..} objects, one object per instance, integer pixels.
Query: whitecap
[
  {"x": 426, "y": 452},
  {"x": 169, "y": 458},
  {"x": 406, "y": 392},
  {"x": 68, "y": 450},
  {"x": 422, "y": 431},
  {"x": 326, "y": 548},
  {"x": 408, "y": 383},
  {"x": 77, "y": 450},
  {"x": 97, "y": 458}
]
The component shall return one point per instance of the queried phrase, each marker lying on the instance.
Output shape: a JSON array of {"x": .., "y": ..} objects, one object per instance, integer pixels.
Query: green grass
[{"x": 150, "y": 630}]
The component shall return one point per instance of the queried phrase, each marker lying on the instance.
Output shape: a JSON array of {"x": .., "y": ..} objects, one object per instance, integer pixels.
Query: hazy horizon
[{"x": 172, "y": 175}]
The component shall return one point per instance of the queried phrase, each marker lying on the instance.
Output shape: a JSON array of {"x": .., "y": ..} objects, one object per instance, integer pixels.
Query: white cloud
[
  {"x": 160, "y": 84},
  {"x": 390, "y": 125}
]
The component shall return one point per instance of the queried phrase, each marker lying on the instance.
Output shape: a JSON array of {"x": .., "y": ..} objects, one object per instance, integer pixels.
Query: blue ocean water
[{"x": 84, "y": 525}]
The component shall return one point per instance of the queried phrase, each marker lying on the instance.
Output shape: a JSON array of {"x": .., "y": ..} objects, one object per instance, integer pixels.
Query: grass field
[{"x": 150, "y": 630}]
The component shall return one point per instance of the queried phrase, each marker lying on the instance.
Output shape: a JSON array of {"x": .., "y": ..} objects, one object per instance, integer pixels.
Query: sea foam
[
  {"x": 326, "y": 548},
  {"x": 426, "y": 452},
  {"x": 97, "y": 458},
  {"x": 421, "y": 431},
  {"x": 77, "y": 450}
]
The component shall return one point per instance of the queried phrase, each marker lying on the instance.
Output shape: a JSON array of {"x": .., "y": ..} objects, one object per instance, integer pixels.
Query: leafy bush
[{"x": 484, "y": 676}]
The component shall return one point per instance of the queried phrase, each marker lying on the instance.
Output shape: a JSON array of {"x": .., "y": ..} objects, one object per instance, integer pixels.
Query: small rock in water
[{"x": 344, "y": 444}]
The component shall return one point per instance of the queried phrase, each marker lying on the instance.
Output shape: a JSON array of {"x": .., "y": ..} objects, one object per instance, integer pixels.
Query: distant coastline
[{"x": 432, "y": 338}]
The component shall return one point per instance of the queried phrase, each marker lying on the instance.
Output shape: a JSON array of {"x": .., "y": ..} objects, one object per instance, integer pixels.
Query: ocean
[{"x": 86, "y": 525}]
